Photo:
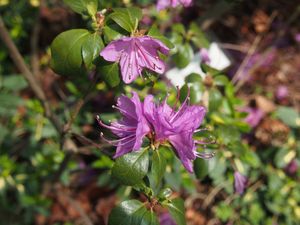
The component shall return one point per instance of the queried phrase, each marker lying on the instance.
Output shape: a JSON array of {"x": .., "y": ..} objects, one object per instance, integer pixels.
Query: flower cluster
[
  {"x": 161, "y": 124},
  {"x": 163, "y": 4}
]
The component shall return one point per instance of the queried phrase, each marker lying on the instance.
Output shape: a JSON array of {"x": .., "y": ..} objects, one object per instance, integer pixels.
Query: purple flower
[
  {"x": 135, "y": 54},
  {"x": 240, "y": 182},
  {"x": 204, "y": 55},
  {"x": 132, "y": 128},
  {"x": 177, "y": 127},
  {"x": 161, "y": 124},
  {"x": 292, "y": 167},
  {"x": 166, "y": 219},
  {"x": 255, "y": 115},
  {"x": 282, "y": 92},
  {"x": 163, "y": 4},
  {"x": 297, "y": 37}
]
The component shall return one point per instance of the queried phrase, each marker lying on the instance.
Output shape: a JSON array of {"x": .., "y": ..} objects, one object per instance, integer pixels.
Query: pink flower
[
  {"x": 166, "y": 219},
  {"x": 282, "y": 92},
  {"x": 132, "y": 128},
  {"x": 297, "y": 37},
  {"x": 240, "y": 182},
  {"x": 292, "y": 167},
  {"x": 163, "y": 4},
  {"x": 161, "y": 124},
  {"x": 204, "y": 55},
  {"x": 177, "y": 127},
  {"x": 255, "y": 115},
  {"x": 135, "y": 54}
]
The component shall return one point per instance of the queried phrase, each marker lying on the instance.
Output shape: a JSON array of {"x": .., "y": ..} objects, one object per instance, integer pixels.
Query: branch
[{"x": 33, "y": 82}]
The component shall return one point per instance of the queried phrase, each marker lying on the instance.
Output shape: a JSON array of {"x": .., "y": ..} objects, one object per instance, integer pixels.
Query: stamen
[
  {"x": 116, "y": 142},
  {"x": 206, "y": 142},
  {"x": 205, "y": 155},
  {"x": 112, "y": 142},
  {"x": 183, "y": 105},
  {"x": 123, "y": 111},
  {"x": 112, "y": 127},
  {"x": 200, "y": 130}
]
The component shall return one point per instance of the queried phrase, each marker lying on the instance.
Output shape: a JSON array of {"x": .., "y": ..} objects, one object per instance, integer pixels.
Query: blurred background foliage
[{"x": 41, "y": 184}]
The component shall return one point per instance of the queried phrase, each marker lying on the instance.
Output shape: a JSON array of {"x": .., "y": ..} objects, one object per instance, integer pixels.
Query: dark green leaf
[
  {"x": 109, "y": 72},
  {"x": 66, "y": 50},
  {"x": 198, "y": 37},
  {"x": 157, "y": 169},
  {"x": 201, "y": 168},
  {"x": 130, "y": 169},
  {"x": 215, "y": 99},
  {"x": 176, "y": 210},
  {"x": 132, "y": 212},
  {"x": 221, "y": 80},
  {"x": 183, "y": 56},
  {"x": 111, "y": 34},
  {"x": 91, "y": 48},
  {"x": 83, "y": 7},
  {"x": 193, "y": 78},
  {"x": 127, "y": 18},
  {"x": 211, "y": 71}
]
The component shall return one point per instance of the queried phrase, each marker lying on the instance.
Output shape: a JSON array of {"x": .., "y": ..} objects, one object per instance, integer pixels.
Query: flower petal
[
  {"x": 190, "y": 118},
  {"x": 112, "y": 52},
  {"x": 184, "y": 146}
]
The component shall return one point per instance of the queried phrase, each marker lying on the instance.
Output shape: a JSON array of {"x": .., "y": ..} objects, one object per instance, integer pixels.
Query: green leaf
[
  {"x": 14, "y": 82},
  {"x": 110, "y": 33},
  {"x": 66, "y": 50},
  {"x": 221, "y": 80},
  {"x": 127, "y": 18},
  {"x": 198, "y": 37},
  {"x": 210, "y": 70},
  {"x": 289, "y": 116},
  {"x": 131, "y": 168},
  {"x": 176, "y": 210},
  {"x": 132, "y": 212},
  {"x": 157, "y": 169},
  {"x": 154, "y": 32},
  {"x": 109, "y": 72},
  {"x": 134, "y": 13},
  {"x": 215, "y": 99},
  {"x": 224, "y": 212},
  {"x": 179, "y": 28},
  {"x": 183, "y": 56},
  {"x": 91, "y": 48},
  {"x": 83, "y": 7},
  {"x": 201, "y": 168}
]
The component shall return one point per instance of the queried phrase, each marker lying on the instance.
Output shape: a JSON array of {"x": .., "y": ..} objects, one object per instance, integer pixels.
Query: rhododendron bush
[{"x": 149, "y": 113}]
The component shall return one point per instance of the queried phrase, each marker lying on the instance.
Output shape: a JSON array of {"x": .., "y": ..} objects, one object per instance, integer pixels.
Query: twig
[
  {"x": 92, "y": 143},
  {"x": 212, "y": 195},
  {"x": 252, "y": 49},
  {"x": 62, "y": 166},
  {"x": 33, "y": 82},
  {"x": 74, "y": 114},
  {"x": 233, "y": 47}
]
